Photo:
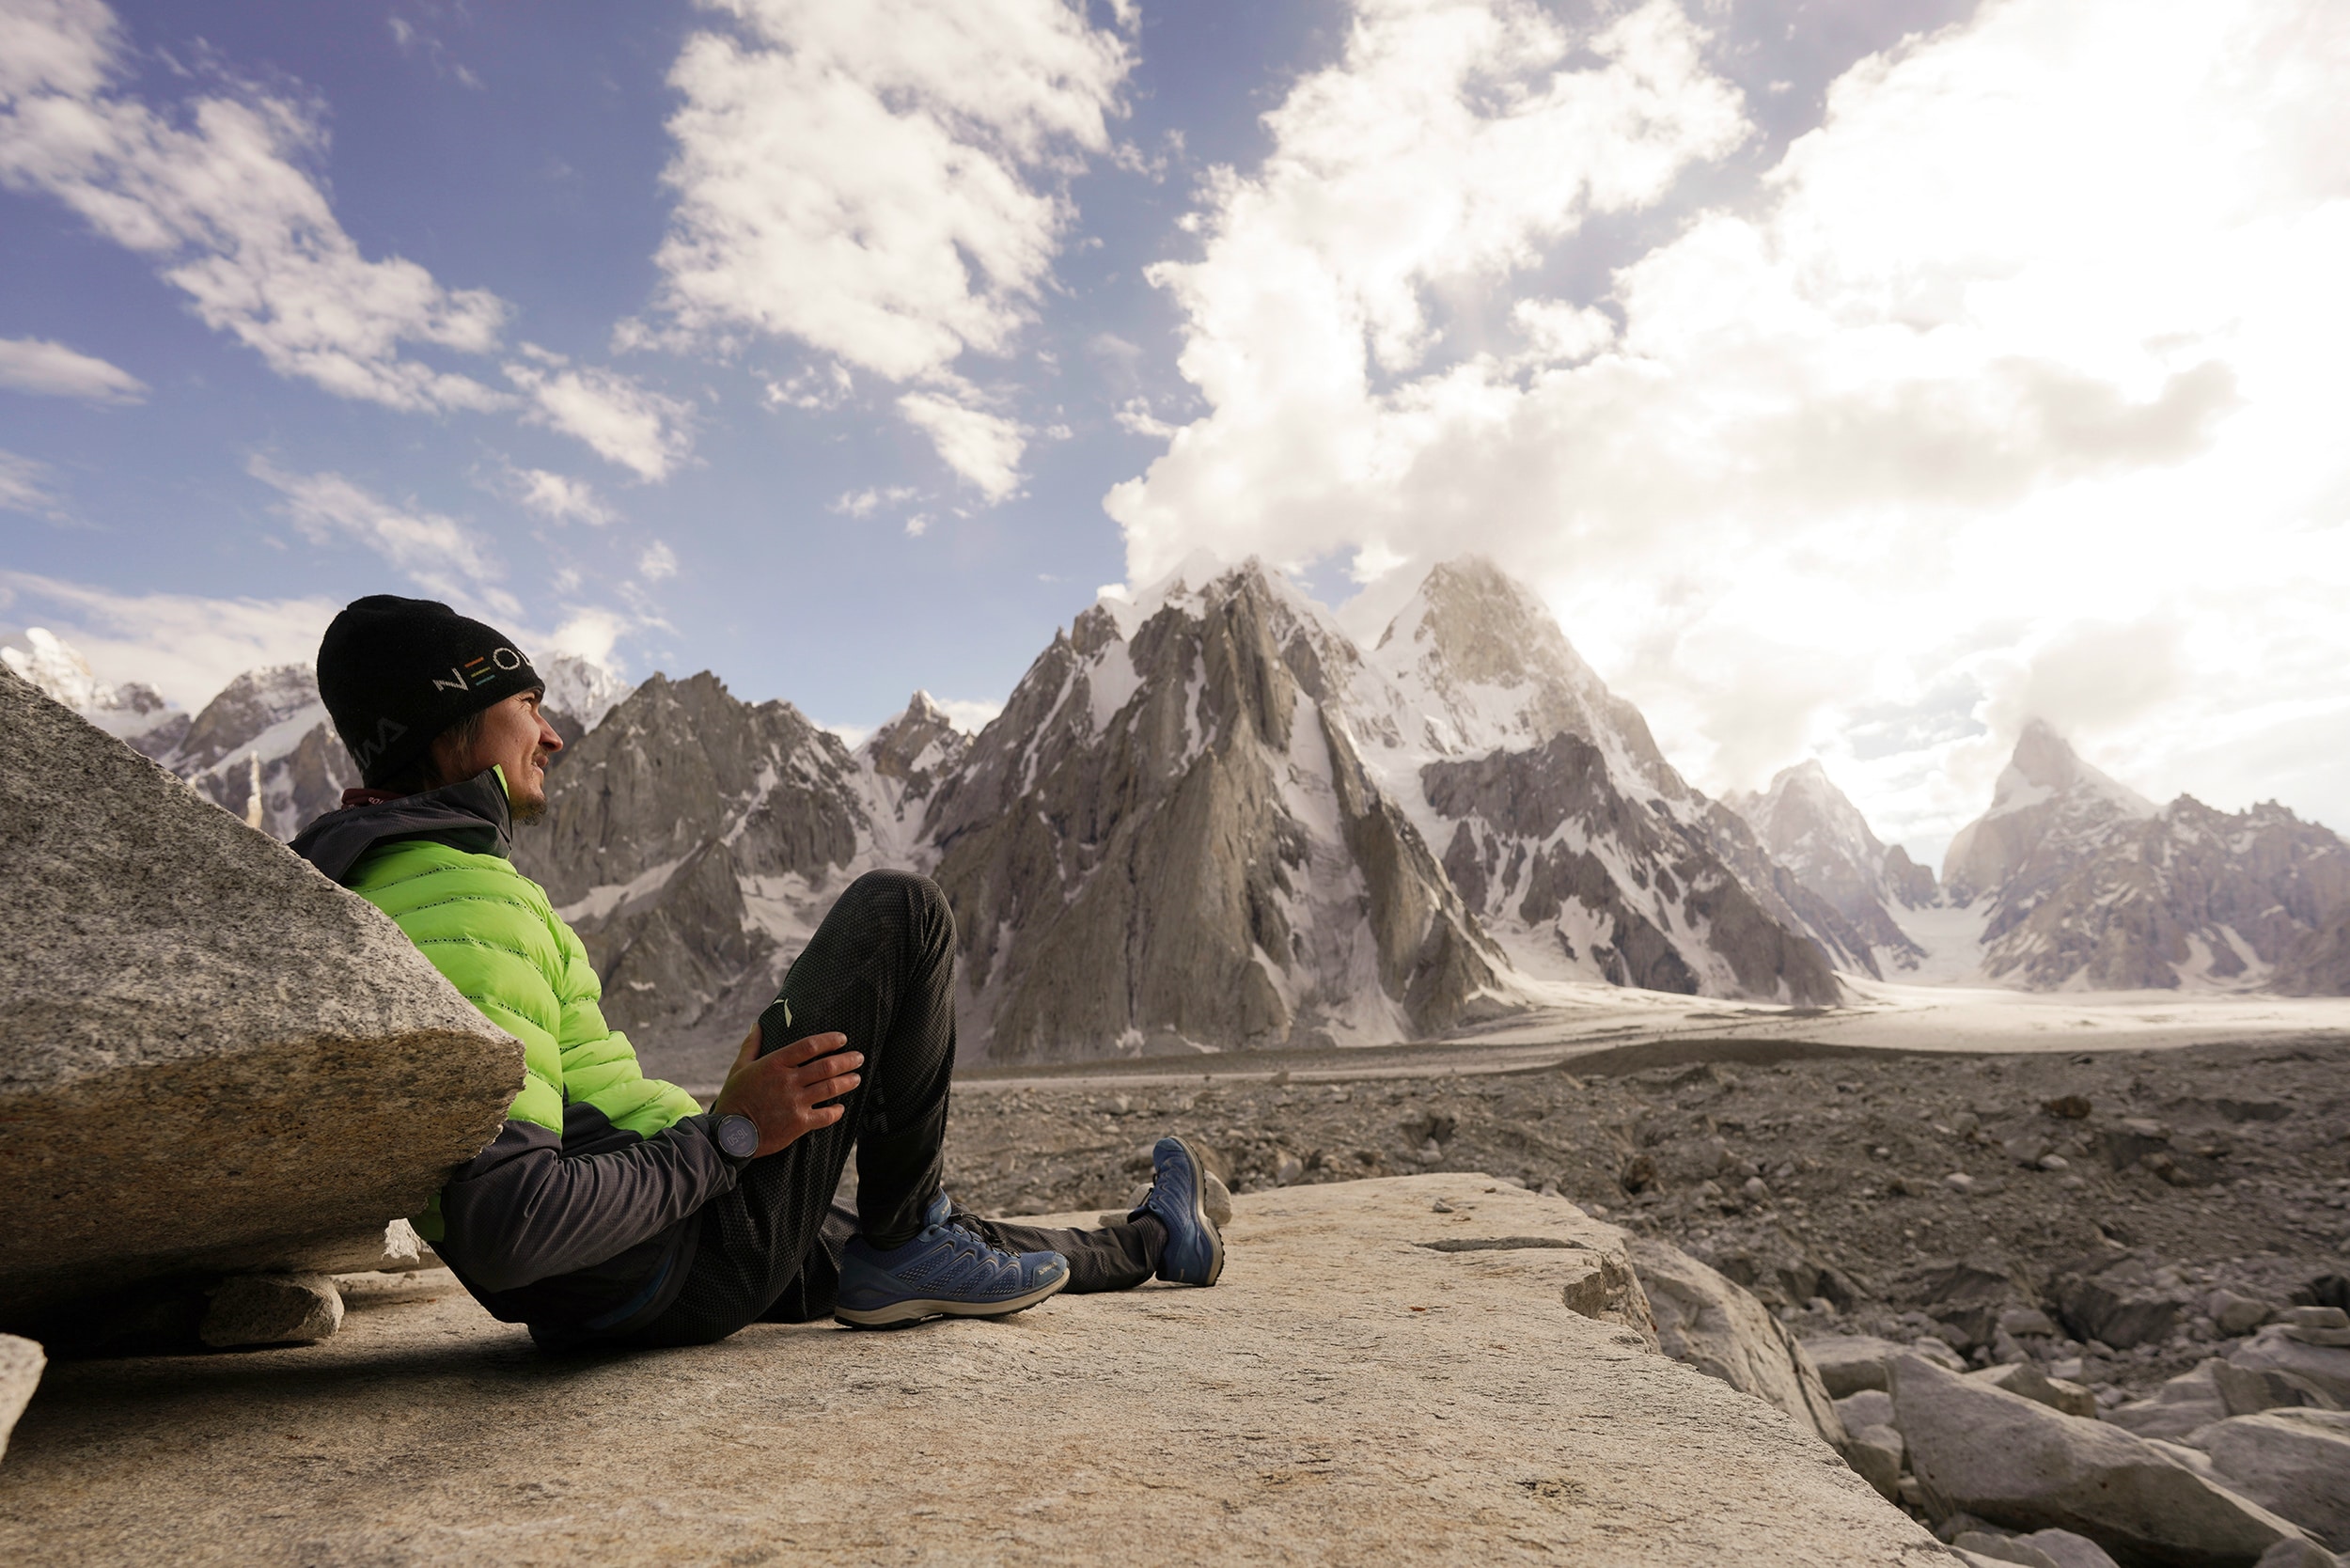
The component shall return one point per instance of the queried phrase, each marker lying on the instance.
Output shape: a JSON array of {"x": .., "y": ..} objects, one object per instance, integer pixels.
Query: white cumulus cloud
[
  {"x": 48, "y": 370},
  {"x": 983, "y": 448},
  {"x": 620, "y": 419},
  {"x": 218, "y": 196},
  {"x": 2019, "y": 373},
  {"x": 885, "y": 183},
  {"x": 557, "y": 498}
]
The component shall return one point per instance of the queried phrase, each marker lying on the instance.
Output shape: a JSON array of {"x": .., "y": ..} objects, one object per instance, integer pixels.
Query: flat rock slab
[{"x": 1344, "y": 1395}]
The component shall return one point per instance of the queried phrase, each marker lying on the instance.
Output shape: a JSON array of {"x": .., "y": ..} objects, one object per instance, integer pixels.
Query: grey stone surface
[
  {"x": 20, "y": 1363},
  {"x": 362, "y": 1291},
  {"x": 1345, "y": 1395},
  {"x": 207, "y": 1050},
  {"x": 1869, "y": 1407},
  {"x": 2066, "y": 1549},
  {"x": 1875, "y": 1453},
  {"x": 2024, "y": 1466},
  {"x": 2179, "y": 1407},
  {"x": 2028, "y": 1381},
  {"x": 272, "y": 1310},
  {"x": 2292, "y": 1463},
  {"x": 2279, "y": 1348},
  {"x": 1848, "y": 1363},
  {"x": 2298, "y": 1554},
  {"x": 2002, "y": 1548},
  {"x": 1722, "y": 1330}
]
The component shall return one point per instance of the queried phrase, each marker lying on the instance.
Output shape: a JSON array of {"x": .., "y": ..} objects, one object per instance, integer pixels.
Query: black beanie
[{"x": 396, "y": 672}]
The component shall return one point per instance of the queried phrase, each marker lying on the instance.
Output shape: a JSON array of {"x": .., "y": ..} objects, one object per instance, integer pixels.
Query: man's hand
[{"x": 785, "y": 1091}]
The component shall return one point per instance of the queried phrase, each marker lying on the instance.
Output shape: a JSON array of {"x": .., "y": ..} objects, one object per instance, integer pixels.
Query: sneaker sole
[
  {"x": 900, "y": 1314},
  {"x": 1200, "y": 1213}
]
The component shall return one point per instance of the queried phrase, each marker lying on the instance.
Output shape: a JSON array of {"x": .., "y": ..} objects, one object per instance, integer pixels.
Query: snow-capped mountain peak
[
  {"x": 580, "y": 688},
  {"x": 2047, "y": 807},
  {"x": 53, "y": 666}
]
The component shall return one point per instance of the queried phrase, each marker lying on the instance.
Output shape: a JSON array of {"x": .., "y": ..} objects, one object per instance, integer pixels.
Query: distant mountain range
[{"x": 1207, "y": 819}]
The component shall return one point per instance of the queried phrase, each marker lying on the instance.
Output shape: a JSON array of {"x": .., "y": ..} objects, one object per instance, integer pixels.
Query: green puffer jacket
[
  {"x": 577, "y": 1218},
  {"x": 490, "y": 930}
]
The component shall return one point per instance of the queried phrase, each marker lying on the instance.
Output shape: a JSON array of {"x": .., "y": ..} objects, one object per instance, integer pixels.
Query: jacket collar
[{"x": 473, "y": 815}]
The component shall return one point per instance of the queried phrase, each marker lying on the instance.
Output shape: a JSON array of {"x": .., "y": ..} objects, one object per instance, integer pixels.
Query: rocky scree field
[{"x": 2125, "y": 1215}]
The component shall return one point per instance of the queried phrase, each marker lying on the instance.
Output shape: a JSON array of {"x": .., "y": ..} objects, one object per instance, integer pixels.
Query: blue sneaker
[
  {"x": 1195, "y": 1251},
  {"x": 944, "y": 1272}
]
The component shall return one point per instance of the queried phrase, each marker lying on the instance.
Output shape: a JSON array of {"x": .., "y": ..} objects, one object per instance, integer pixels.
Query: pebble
[{"x": 1959, "y": 1182}]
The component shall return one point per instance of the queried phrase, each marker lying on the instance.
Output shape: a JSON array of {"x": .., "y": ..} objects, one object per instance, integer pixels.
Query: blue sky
[{"x": 1853, "y": 378}]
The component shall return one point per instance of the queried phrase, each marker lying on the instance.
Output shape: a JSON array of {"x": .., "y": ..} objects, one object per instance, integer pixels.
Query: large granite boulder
[
  {"x": 2017, "y": 1463},
  {"x": 209, "y": 1055},
  {"x": 1718, "y": 1327},
  {"x": 2296, "y": 1463}
]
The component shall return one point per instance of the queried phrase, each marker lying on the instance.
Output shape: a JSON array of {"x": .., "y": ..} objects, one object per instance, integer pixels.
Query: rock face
[
  {"x": 207, "y": 1050},
  {"x": 1724, "y": 1332},
  {"x": 1566, "y": 832},
  {"x": 1309, "y": 1408},
  {"x": 2022, "y": 1465},
  {"x": 265, "y": 750},
  {"x": 2085, "y": 882},
  {"x": 1168, "y": 840},
  {"x": 1814, "y": 829}
]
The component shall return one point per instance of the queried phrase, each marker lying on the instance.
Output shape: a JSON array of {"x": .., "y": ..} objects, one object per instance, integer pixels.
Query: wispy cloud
[
  {"x": 657, "y": 562},
  {"x": 48, "y": 370},
  {"x": 863, "y": 503},
  {"x": 435, "y": 552},
  {"x": 28, "y": 485},
  {"x": 219, "y": 199}
]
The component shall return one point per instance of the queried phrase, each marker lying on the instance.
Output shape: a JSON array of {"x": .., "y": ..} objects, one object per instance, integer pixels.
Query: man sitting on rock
[{"x": 611, "y": 1208}]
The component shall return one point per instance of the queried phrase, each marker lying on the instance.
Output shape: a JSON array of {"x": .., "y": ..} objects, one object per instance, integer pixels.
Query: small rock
[
  {"x": 2024, "y": 1379},
  {"x": 2002, "y": 1548},
  {"x": 20, "y": 1361},
  {"x": 2290, "y": 1463},
  {"x": 1756, "y": 1192},
  {"x": 2028, "y": 1322},
  {"x": 2066, "y": 1549},
  {"x": 2067, "y": 1107},
  {"x": 1217, "y": 1199},
  {"x": 2277, "y": 1347},
  {"x": 1429, "y": 1153},
  {"x": 2055, "y": 1162},
  {"x": 2315, "y": 1317},
  {"x": 2298, "y": 1554},
  {"x": 1850, "y": 1363},
  {"x": 272, "y": 1310},
  {"x": 1289, "y": 1168},
  {"x": 1960, "y": 1183},
  {"x": 2183, "y": 1404},
  {"x": 2025, "y": 1150},
  {"x": 1965, "y": 1123},
  {"x": 1869, "y": 1407},
  {"x": 1440, "y": 1206},
  {"x": 1875, "y": 1453},
  {"x": 2234, "y": 1314},
  {"x": 2249, "y": 1390}
]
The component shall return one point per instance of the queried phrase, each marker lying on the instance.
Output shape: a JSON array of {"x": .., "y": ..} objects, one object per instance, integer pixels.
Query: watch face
[{"x": 738, "y": 1135}]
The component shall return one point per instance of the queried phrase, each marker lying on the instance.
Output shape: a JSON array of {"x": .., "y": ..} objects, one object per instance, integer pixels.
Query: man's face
[{"x": 516, "y": 738}]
